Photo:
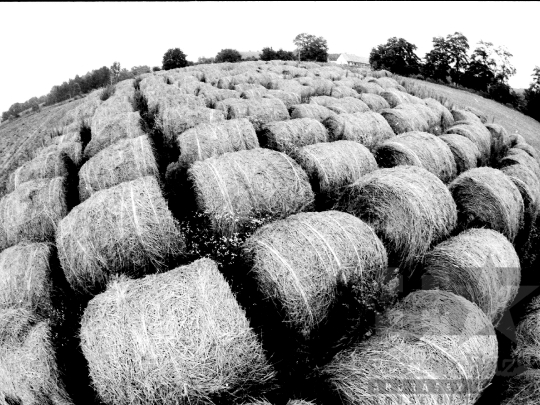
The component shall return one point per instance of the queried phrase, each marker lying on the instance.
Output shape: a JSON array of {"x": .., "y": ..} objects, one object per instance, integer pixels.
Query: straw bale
[
  {"x": 314, "y": 111},
  {"x": 518, "y": 156},
  {"x": 123, "y": 125},
  {"x": 395, "y": 97},
  {"x": 305, "y": 81},
  {"x": 299, "y": 402},
  {"x": 51, "y": 162},
  {"x": 367, "y": 87},
  {"x": 480, "y": 265},
  {"x": 29, "y": 372},
  {"x": 429, "y": 337},
  {"x": 322, "y": 86},
  {"x": 466, "y": 154},
  {"x": 413, "y": 99},
  {"x": 418, "y": 149},
  {"x": 528, "y": 185},
  {"x": 487, "y": 198},
  {"x": 523, "y": 389},
  {"x": 151, "y": 82},
  {"x": 259, "y": 112},
  {"x": 464, "y": 115},
  {"x": 445, "y": 116},
  {"x": 125, "y": 229},
  {"x": 345, "y": 105},
  {"x": 126, "y": 160},
  {"x": 405, "y": 120},
  {"x": 409, "y": 208},
  {"x": 334, "y": 165},
  {"x": 342, "y": 91},
  {"x": 256, "y": 94},
  {"x": 481, "y": 116},
  {"x": 212, "y": 95},
  {"x": 374, "y": 101},
  {"x": 299, "y": 262},
  {"x": 249, "y": 86},
  {"x": 385, "y": 82},
  {"x": 292, "y": 86},
  {"x": 25, "y": 278},
  {"x": 286, "y": 136},
  {"x": 208, "y": 140},
  {"x": 233, "y": 188},
  {"x": 500, "y": 142},
  {"x": 199, "y": 338},
  {"x": 515, "y": 139},
  {"x": 288, "y": 98},
  {"x": 527, "y": 350},
  {"x": 426, "y": 113},
  {"x": 530, "y": 150},
  {"x": 73, "y": 149},
  {"x": 32, "y": 211},
  {"x": 478, "y": 134}
]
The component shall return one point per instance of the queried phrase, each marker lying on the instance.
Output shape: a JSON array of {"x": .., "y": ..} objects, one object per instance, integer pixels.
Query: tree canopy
[
  {"x": 311, "y": 48},
  {"x": 228, "y": 55},
  {"x": 448, "y": 58},
  {"x": 173, "y": 59},
  {"x": 396, "y": 56}
]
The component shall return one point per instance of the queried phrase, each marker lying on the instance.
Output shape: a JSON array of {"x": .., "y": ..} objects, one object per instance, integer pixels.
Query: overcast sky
[{"x": 44, "y": 44}]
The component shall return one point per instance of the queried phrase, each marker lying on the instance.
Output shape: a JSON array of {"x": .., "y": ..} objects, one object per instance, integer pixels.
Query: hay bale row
[
  {"x": 259, "y": 112},
  {"x": 409, "y": 208},
  {"x": 178, "y": 336},
  {"x": 315, "y": 111},
  {"x": 395, "y": 97},
  {"x": 299, "y": 262},
  {"x": 346, "y": 105},
  {"x": 465, "y": 115},
  {"x": 332, "y": 166},
  {"x": 486, "y": 197},
  {"x": 369, "y": 128},
  {"x": 407, "y": 119},
  {"x": 286, "y": 136},
  {"x": 519, "y": 157},
  {"x": 126, "y": 160},
  {"x": 375, "y": 102},
  {"x": 293, "y": 86},
  {"x": 32, "y": 211},
  {"x": 418, "y": 149},
  {"x": 125, "y": 229},
  {"x": 444, "y": 115},
  {"x": 288, "y": 98},
  {"x": 480, "y": 265},
  {"x": 367, "y": 87},
  {"x": 429, "y": 337},
  {"x": 212, "y": 95},
  {"x": 236, "y": 187},
  {"x": 207, "y": 140},
  {"x": 342, "y": 91},
  {"x": 530, "y": 150},
  {"x": 466, "y": 154},
  {"x": 478, "y": 134},
  {"x": 523, "y": 389},
  {"x": 386, "y": 82},
  {"x": 28, "y": 369}
]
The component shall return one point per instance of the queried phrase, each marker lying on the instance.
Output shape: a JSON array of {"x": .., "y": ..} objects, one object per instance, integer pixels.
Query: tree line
[{"x": 486, "y": 69}]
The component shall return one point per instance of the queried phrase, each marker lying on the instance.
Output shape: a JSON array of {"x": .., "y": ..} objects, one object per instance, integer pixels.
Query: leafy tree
[
  {"x": 311, "y": 48},
  {"x": 204, "y": 61},
  {"x": 228, "y": 55},
  {"x": 447, "y": 58},
  {"x": 139, "y": 70},
  {"x": 532, "y": 96},
  {"x": 156, "y": 69},
  {"x": 174, "y": 58},
  {"x": 115, "y": 72},
  {"x": 396, "y": 56},
  {"x": 284, "y": 55},
  {"x": 76, "y": 89},
  {"x": 268, "y": 54}
]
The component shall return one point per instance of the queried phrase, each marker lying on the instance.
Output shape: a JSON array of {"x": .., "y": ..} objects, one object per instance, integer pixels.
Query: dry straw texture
[
  {"x": 466, "y": 154},
  {"x": 334, "y": 165},
  {"x": 235, "y": 187},
  {"x": 369, "y": 128},
  {"x": 519, "y": 157},
  {"x": 315, "y": 111},
  {"x": 523, "y": 389},
  {"x": 212, "y": 95},
  {"x": 486, "y": 197},
  {"x": 445, "y": 116},
  {"x": 126, "y": 160},
  {"x": 527, "y": 350},
  {"x": 286, "y": 136},
  {"x": 418, "y": 149},
  {"x": 208, "y": 140},
  {"x": 300, "y": 261},
  {"x": 429, "y": 337},
  {"x": 346, "y": 105},
  {"x": 529, "y": 186},
  {"x": 174, "y": 338},
  {"x": 370, "y": 88},
  {"x": 395, "y": 97},
  {"x": 409, "y": 208},
  {"x": 126, "y": 229},
  {"x": 481, "y": 265},
  {"x": 116, "y": 127},
  {"x": 288, "y": 98},
  {"x": 374, "y": 102},
  {"x": 259, "y": 112},
  {"x": 426, "y": 113},
  {"x": 478, "y": 134},
  {"x": 464, "y": 115},
  {"x": 32, "y": 211},
  {"x": 25, "y": 278},
  {"x": 405, "y": 120},
  {"x": 500, "y": 142},
  {"x": 530, "y": 150},
  {"x": 343, "y": 91},
  {"x": 28, "y": 369}
]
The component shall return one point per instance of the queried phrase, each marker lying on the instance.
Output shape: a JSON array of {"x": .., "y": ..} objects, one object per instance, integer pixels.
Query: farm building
[{"x": 348, "y": 59}]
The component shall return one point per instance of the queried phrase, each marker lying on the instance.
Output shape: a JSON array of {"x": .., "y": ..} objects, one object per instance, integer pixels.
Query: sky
[{"x": 45, "y": 44}]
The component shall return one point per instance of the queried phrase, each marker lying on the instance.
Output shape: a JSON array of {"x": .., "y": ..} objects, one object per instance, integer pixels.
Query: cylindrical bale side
[
  {"x": 314, "y": 111},
  {"x": 286, "y": 136},
  {"x": 466, "y": 154},
  {"x": 375, "y": 102},
  {"x": 478, "y": 134},
  {"x": 405, "y": 120}
]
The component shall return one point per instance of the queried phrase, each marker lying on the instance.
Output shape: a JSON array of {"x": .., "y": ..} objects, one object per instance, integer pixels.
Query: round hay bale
[
  {"x": 374, "y": 101},
  {"x": 500, "y": 142},
  {"x": 527, "y": 350},
  {"x": 265, "y": 111},
  {"x": 125, "y": 229},
  {"x": 334, "y": 165},
  {"x": 481, "y": 265},
  {"x": 299, "y": 262},
  {"x": 242, "y": 87},
  {"x": 530, "y": 150},
  {"x": 385, "y": 82},
  {"x": 366, "y": 87},
  {"x": 479, "y": 114},
  {"x": 515, "y": 139},
  {"x": 25, "y": 278},
  {"x": 28, "y": 367},
  {"x": 523, "y": 389},
  {"x": 446, "y": 118},
  {"x": 322, "y": 87},
  {"x": 487, "y": 198},
  {"x": 426, "y": 113},
  {"x": 409, "y": 208},
  {"x": 256, "y": 94},
  {"x": 49, "y": 163},
  {"x": 466, "y": 154},
  {"x": 528, "y": 185},
  {"x": 478, "y": 134},
  {"x": 212, "y": 95},
  {"x": 288, "y": 98},
  {"x": 342, "y": 91},
  {"x": 32, "y": 212},
  {"x": 236, "y": 187},
  {"x": 418, "y": 149},
  {"x": 369, "y": 128},
  {"x": 317, "y": 112},
  {"x": 516, "y": 156},
  {"x": 464, "y": 115},
  {"x": 405, "y": 120},
  {"x": 179, "y": 336},
  {"x": 433, "y": 347},
  {"x": 346, "y": 105},
  {"x": 286, "y": 136},
  {"x": 293, "y": 86},
  {"x": 116, "y": 127},
  {"x": 126, "y": 160},
  {"x": 395, "y": 97},
  {"x": 208, "y": 140}
]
